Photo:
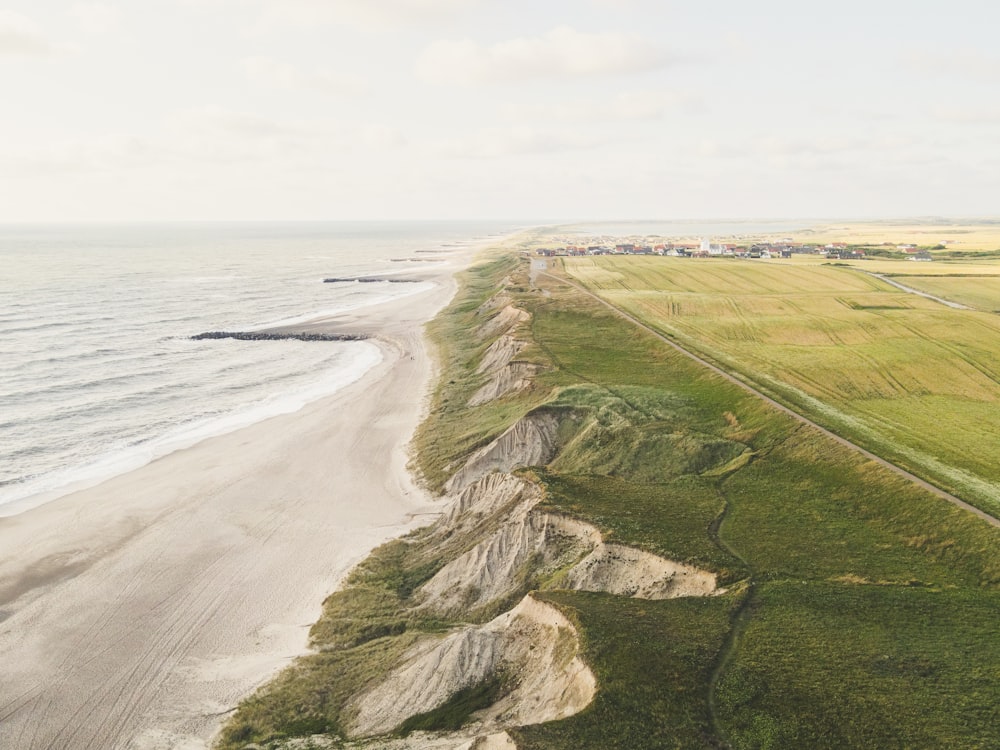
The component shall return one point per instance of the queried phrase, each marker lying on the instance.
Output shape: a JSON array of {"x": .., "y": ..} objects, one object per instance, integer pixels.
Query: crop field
[
  {"x": 911, "y": 269},
  {"x": 970, "y": 236},
  {"x": 905, "y": 376},
  {"x": 979, "y": 292}
]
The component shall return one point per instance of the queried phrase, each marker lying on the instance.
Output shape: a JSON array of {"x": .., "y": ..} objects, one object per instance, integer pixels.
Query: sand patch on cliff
[
  {"x": 499, "y": 353},
  {"x": 531, "y": 441},
  {"x": 533, "y": 643},
  {"x": 503, "y": 322},
  {"x": 512, "y": 378}
]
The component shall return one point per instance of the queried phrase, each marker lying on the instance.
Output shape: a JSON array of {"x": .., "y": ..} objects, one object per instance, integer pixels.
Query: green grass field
[
  {"x": 860, "y": 611},
  {"x": 905, "y": 376}
]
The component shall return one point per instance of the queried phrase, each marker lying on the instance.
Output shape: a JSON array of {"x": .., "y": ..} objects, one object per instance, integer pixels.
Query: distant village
[{"x": 761, "y": 250}]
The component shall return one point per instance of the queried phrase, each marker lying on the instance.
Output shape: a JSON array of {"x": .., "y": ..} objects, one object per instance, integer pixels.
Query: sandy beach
[{"x": 137, "y": 613}]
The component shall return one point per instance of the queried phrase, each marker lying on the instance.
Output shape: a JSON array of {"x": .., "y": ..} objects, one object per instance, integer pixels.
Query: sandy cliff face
[
  {"x": 499, "y": 353},
  {"x": 503, "y": 322},
  {"x": 533, "y": 643},
  {"x": 506, "y": 375},
  {"x": 531, "y": 441},
  {"x": 520, "y": 545},
  {"x": 527, "y": 544},
  {"x": 625, "y": 571},
  {"x": 511, "y": 378},
  {"x": 484, "y": 499}
]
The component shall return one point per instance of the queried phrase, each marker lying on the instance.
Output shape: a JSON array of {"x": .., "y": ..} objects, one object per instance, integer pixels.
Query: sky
[{"x": 194, "y": 110}]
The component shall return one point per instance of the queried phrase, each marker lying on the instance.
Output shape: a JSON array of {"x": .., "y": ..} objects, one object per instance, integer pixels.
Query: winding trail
[{"x": 779, "y": 406}]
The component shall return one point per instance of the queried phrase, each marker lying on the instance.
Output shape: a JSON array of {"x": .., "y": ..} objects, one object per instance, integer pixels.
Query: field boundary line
[{"x": 991, "y": 519}]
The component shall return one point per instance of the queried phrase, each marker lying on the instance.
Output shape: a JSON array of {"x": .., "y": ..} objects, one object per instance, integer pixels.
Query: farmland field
[
  {"x": 978, "y": 292},
  {"x": 956, "y": 268},
  {"x": 905, "y": 376},
  {"x": 972, "y": 236}
]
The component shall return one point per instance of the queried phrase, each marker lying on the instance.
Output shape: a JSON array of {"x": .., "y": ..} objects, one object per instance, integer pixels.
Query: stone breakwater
[
  {"x": 368, "y": 280},
  {"x": 271, "y": 336}
]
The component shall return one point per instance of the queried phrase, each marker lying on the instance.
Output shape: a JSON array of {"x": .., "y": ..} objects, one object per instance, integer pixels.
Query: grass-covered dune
[{"x": 858, "y": 610}]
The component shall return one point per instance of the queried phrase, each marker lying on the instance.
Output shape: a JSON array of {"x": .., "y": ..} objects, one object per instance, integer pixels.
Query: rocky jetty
[
  {"x": 273, "y": 336},
  {"x": 368, "y": 280}
]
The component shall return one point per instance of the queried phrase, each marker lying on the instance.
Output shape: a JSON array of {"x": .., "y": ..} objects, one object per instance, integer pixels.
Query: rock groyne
[{"x": 276, "y": 336}]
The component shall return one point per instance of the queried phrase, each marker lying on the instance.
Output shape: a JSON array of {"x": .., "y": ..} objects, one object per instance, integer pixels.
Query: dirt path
[
  {"x": 911, "y": 290},
  {"x": 781, "y": 407}
]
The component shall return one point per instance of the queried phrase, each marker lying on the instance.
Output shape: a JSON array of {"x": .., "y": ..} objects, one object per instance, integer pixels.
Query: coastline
[{"x": 137, "y": 613}]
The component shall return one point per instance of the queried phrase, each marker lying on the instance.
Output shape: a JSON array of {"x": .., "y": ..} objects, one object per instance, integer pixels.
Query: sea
[{"x": 99, "y": 373}]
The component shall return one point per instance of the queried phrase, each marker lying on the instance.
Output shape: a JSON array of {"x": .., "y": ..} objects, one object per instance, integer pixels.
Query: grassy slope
[
  {"x": 853, "y": 595},
  {"x": 909, "y": 378}
]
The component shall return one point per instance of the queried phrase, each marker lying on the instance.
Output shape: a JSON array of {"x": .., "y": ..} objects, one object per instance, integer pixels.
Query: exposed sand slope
[
  {"x": 497, "y": 300},
  {"x": 499, "y": 353},
  {"x": 625, "y": 571},
  {"x": 511, "y": 378},
  {"x": 485, "y": 498},
  {"x": 531, "y": 441},
  {"x": 415, "y": 741},
  {"x": 495, "y": 567},
  {"x": 515, "y": 539},
  {"x": 137, "y": 613},
  {"x": 534, "y": 643},
  {"x": 503, "y": 322}
]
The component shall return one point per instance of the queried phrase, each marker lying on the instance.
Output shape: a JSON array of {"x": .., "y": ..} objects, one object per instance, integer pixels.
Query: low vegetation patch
[
  {"x": 454, "y": 714},
  {"x": 863, "y": 666}
]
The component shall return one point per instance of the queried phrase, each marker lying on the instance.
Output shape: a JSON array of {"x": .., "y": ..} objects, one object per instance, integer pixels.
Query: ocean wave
[
  {"x": 369, "y": 300},
  {"x": 19, "y": 495}
]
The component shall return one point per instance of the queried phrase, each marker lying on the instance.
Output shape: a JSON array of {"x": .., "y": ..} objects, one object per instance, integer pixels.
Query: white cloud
[
  {"x": 382, "y": 137},
  {"x": 204, "y": 140},
  {"x": 562, "y": 52},
  {"x": 516, "y": 141},
  {"x": 713, "y": 148},
  {"x": 19, "y": 35},
  {"x": 377, "y": 13},
  {"x": 77, "y": 156},
  {"x": 95, "y": 18},
  {"x": 267, "y": 71},
  {"x": 628, "y": 105},
  {"x": 408, "y": 10},
  {"x": 969, "y": 115},
  {"x": 968, "y": 65},
  {"x": 821, "y": 154}
]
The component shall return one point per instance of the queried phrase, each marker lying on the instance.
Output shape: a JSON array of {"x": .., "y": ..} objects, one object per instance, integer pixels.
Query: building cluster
[{"x": 707, "y": 249}]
